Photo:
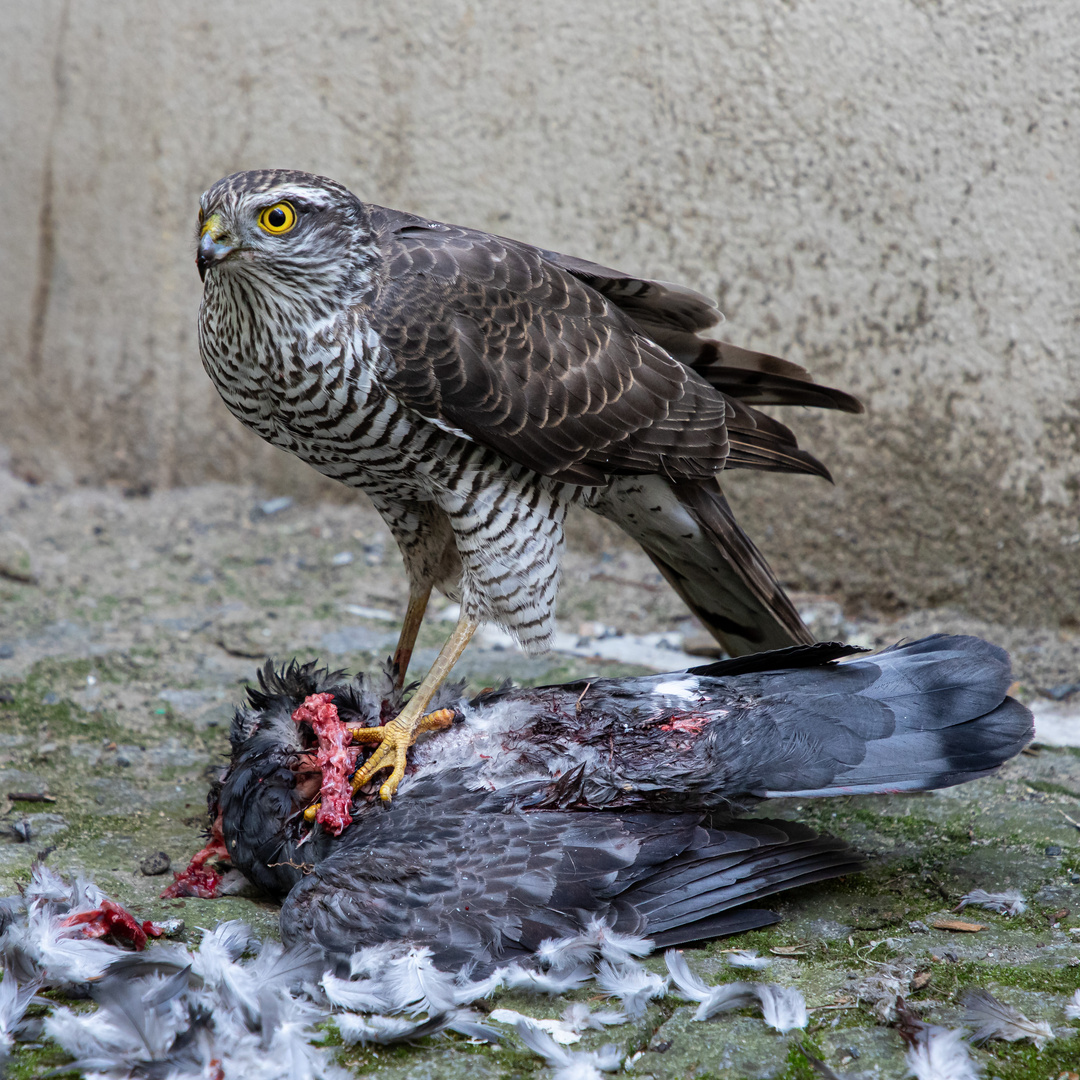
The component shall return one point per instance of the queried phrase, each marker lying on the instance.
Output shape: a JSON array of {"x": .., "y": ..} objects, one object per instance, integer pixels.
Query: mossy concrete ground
[{"x": 131, "y": 624}]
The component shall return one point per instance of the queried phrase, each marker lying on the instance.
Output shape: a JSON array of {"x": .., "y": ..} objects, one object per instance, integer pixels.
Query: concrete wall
[{"x": 886, "y": 192}]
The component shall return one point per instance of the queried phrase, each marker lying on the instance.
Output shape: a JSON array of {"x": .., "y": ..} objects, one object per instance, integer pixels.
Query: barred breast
[{"x": 487, "y": 531}]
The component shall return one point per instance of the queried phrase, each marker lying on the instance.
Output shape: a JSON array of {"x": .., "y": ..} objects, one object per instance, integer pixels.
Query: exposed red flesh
[
  {"x": 336, "y": 759},
  {"x": 693, "y": 725},
  {"x": 111, "y": 920},
  {"x": 197, "y": 880}
]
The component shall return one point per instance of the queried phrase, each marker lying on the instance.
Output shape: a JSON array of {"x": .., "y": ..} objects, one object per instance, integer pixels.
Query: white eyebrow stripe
[{"x": 310, "y": 196}]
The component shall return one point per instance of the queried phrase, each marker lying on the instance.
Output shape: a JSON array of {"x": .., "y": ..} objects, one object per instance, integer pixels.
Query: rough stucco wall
[{"x": 884, "y": 192}]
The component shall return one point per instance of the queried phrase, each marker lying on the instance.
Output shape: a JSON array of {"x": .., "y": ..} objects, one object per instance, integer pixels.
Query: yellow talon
[{"x": 394, "y": 740}]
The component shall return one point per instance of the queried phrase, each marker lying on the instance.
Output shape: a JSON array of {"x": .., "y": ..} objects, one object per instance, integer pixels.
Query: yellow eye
[{"x": 277, "y": 219}]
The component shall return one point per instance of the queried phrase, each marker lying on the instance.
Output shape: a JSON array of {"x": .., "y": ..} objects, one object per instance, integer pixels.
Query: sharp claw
[{"x": 394, "y": 741}]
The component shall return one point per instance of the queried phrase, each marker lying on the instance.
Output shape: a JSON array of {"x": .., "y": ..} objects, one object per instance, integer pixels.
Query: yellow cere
[
  {"x": 277, "y": 219},
  {"x": 212, "y": 225}
]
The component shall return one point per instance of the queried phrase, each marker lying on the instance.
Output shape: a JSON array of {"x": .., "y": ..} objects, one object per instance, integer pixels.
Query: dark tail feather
[
  {"x": 691, "y": 897},
  {"x": 760, "y": 379},
  {"x": 688, "y": 530},
  {"x": 920, "y": 716},
  {"x": 757, "y": 441}
]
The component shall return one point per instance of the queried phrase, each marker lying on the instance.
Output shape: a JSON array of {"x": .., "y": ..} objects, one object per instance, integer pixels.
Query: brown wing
[
  {"x": 675, "y": 317},
  {"x": 491, "y": 337}
]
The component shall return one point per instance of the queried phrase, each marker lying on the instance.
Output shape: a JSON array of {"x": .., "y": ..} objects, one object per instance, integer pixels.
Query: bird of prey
[
  {"x": 475, "y": 388},
  {"x": 541, "y": 810}
]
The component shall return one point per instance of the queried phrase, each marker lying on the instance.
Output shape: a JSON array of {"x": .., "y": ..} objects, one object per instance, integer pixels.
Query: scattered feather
[
  {"x": 366, "y": 995},
  {"x": 15, "y": 998},
  {"x": 782, "y": 1007},
  {"x": 541, "y": 982},
  {"x": 934, "y": 1053},
  {"x": 560, "y": 1030},
  {"x": 46, "y": 886},
  {"x": 1011, "y": 902},
  {"x": 940, "y": 1053},
  {"x": 747, "y": 958},
  {"x": 560, "y": 953},
  {"x": 996, "y": 1020},
  {"x": 415, "y": 985},
  {"x": 579, "y": 1017},
  {"x": 597, "y": 940},
  {"x": 690, "y": 985},
  {"x": 386, "y": 1030},
  {"x": 468, "y": 1023},
  {"x": 1072, "y": 1009},
  {"x": 466, "y": 991},
  {"x": 372, "y": 960},
  {"x": 569, "y": 1064},
  {"x": 632, "y": 984}
]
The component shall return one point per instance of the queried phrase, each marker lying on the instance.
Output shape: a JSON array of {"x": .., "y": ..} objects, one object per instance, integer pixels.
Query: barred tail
[{"x": 687, "y": 528}]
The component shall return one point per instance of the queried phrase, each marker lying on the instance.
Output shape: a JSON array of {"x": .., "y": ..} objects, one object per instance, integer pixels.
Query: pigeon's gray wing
[
  {"x": 469, "y": 874},
  {"x": 479, "y": 881}
]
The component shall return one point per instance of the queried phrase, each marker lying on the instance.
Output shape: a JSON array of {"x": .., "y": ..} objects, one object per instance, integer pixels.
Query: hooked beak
[{"x": 214, "y": 244}]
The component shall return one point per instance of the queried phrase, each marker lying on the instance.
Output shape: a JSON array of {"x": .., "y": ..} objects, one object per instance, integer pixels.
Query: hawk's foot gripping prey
[
  {"x": 394, "y": 740},
  {"x": 475, "y": 388},
  {"x": 399, "y": 734}
]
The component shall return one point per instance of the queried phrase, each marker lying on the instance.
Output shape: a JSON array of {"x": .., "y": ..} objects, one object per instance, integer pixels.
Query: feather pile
[{"x": 236, "y": 1007}]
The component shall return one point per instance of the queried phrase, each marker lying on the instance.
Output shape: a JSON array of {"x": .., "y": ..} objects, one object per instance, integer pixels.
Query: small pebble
[
  {"x": 21, "y": 831},
  {"x": 1062, "y": 691},
  {"x": 275, "y": 506},
  {"x": 172, "y": 928},
  {"x": 1053, "y": 849},
  {"x": 7, "y": 650},
  {"x": 158, "y": 863}
]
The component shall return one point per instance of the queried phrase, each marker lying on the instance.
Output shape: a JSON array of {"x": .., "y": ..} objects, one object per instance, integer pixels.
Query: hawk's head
[{"x": 287, "y": 231}]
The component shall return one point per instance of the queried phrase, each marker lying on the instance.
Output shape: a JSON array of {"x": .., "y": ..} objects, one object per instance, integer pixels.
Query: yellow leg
[
  {"x": 398, "y": 735},
  {"x": 414, "y": 616}
]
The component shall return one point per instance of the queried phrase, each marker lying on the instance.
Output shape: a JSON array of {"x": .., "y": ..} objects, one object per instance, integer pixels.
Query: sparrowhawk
[{"x": 475, "y": 388}]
